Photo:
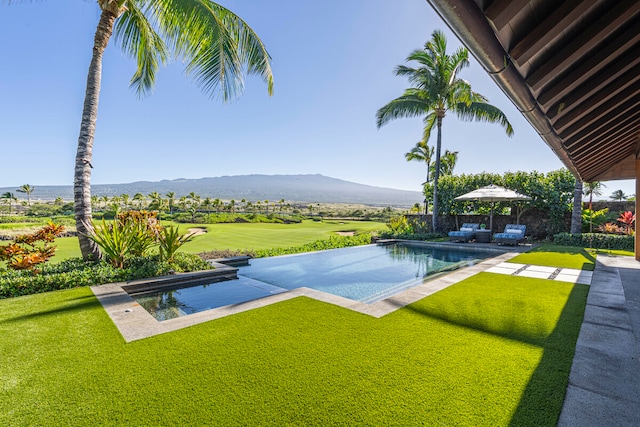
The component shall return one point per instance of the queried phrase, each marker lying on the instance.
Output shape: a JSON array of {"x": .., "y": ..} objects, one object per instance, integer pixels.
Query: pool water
[{"x": 364, "y": 273}]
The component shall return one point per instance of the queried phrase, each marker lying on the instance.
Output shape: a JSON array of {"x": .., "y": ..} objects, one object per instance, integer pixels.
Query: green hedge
[
  {"x": 596, "y": 240},
  {"x": 333, "y": 242},
  {"x": 388, "y": 234},
  {"x": 74, "y": 273}
]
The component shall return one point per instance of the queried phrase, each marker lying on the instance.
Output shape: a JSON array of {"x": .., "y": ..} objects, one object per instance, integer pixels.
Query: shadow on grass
[
  {"x": 547, "y": 386},
  {"x": 543, "y": 397},
  {"x": 78, "y": 306}
]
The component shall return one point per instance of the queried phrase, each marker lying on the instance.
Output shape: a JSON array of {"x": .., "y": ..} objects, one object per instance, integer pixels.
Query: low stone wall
[{"x": 611, "y": 205}]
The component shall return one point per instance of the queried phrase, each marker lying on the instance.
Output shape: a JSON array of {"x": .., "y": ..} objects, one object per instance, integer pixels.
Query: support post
[{"x": 637, "y": 239}]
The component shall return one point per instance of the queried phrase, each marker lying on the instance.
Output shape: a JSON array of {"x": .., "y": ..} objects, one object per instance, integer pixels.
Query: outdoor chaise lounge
[
  {"x": 513, "y": 234},
  {"x": 467, "y": 232}
]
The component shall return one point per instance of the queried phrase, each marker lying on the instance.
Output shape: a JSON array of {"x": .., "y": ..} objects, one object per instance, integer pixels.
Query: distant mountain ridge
[{"x": 292, "y": 188}]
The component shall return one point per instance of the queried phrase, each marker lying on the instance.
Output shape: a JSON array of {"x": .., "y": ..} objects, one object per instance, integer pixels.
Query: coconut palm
[
  {"x": 618, "y": 195},
  {"x": 437, "y": 89},
  {"x": 576, "y": 212},
  {"x": 422, "y": 152},
  {"x": 126, "y": 200},
  {"x": 448, "y": 162},
  {"x": 139, "y": 197},
  {"x": 593, "y": 189},
  {"x": 10, "y": 197},
  {"x": 216, "y": 45},
  {"x": 171, "y": 198},
  {"x": 26, "y": 189}
]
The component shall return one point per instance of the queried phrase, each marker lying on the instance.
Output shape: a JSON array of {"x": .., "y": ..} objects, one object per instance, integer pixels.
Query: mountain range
[{"x": 292, "y": 188}]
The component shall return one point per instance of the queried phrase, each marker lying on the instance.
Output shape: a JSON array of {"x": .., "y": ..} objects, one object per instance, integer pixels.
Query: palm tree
[
  {"x": 437, "y": 89},
  {"x": 140, "y": 198},
  {"x": 618, "y": 195},
  {"x": 422, "y": 152},
  {"x": 125, "y": 200},
  {"x": 216, "y": 45},
  {"x": 576, "y": 213},
  {"x": 171, "y": 198},
  {"x": 27, "y": 189},
  {"x": 10, "y": 197},
  {"x": 448, "y": 162},
  {"x": 593, "y": 189}
]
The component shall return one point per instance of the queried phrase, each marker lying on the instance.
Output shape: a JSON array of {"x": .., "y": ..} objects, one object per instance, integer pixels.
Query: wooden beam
[
  {"x": 615, "y": 73},
  {"x": 501, "y": 12},
  {"x": 605, "y": 101},
  {"x": 586, "y": 99},
  {"x": 596, "y": 121},
  {"x": 587, "y": 42},
  {"x": 553, "y": 25},
  {"x": 624, "y": 47}
]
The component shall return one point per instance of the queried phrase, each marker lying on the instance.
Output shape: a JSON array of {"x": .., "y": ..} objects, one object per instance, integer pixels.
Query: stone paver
[
  {"x": 604, "y": 385},
  {"x": 570, "y": 275}
]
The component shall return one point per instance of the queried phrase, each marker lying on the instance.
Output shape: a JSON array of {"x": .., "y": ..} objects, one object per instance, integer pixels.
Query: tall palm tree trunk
[
  {"x": 436, "y": 177},
  {"x": 576, "y": 214},
  {"x": 82, "y": 176}
]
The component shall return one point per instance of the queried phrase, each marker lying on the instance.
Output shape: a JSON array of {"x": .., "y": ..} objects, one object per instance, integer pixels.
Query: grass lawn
[
  {"x": 558, "y": 256},
  {"x": 492, "y": 350},
  {"x": 251, "y": 236}
]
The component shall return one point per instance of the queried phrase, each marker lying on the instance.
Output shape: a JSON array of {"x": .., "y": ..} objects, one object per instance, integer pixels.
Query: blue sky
[{"x": 333, "y": 65}]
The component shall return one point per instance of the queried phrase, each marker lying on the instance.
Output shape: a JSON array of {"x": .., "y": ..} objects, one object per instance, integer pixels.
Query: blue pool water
[{"x": 364, "y": 273}]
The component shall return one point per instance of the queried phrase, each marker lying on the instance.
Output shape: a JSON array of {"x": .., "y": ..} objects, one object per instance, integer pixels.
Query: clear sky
[{"x": 333, "y": 64}]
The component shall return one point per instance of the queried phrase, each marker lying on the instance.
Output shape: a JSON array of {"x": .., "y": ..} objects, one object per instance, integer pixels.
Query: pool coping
[{"x": 135, "y": 323}]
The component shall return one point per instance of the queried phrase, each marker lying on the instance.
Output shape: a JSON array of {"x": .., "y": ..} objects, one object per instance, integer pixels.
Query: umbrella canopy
[{"x": 493, "y": 193}]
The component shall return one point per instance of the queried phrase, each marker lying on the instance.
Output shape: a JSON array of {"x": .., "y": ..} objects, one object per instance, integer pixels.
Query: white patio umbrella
[{"x": 493, "y": 193}]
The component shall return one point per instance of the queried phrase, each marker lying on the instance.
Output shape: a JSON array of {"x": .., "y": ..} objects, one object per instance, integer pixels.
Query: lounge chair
[
  {"x": 466, "y": 233},
  {"x": 513, "y": 234}
]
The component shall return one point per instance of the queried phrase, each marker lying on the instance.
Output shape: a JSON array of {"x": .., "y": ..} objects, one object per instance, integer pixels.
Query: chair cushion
[
  {"x": 466, "y": 229},
  {"x": 512, "y": 231}
]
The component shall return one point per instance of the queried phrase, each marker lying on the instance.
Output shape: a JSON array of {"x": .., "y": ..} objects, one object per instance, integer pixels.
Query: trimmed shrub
[
  {"x": 334, "y": 242},
  {"x": 75, "y": 272},
  {"x": 596, "y": 240},
  {"x": 410, "y": 235}
]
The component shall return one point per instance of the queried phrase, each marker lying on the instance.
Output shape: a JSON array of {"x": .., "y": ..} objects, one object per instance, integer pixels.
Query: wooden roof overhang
[{"x": 572, "y": 68}]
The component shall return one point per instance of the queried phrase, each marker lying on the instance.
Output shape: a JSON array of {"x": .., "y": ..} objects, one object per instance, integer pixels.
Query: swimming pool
[{"x": 364, "y": 273}]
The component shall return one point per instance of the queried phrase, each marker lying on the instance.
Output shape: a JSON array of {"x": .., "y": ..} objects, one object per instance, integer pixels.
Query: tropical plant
[
  {"x": 627, "y": 219},
  {"x": 618, "y": 195},
  {"x": 593, "y": 189},
  {"x": 29, "y": 250},
  {"x": 170, "y": 240},
  {"x": 26, "y": 189},
  {"x": 594, "y": 219},
  {"x": 610, "y": 228},
  {"x": 115, "y": 240},
  {"x": 216, "y": 45},
  {"x": 400, "y": 225},
  {"x": 437, "y": 89}
]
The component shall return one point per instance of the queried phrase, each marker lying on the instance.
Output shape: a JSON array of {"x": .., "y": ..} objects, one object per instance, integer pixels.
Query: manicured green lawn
[
  {"x": 245, "y": 236},
  {"x": 492, "y": 350},
  {"x": 558, "y": 256}
]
